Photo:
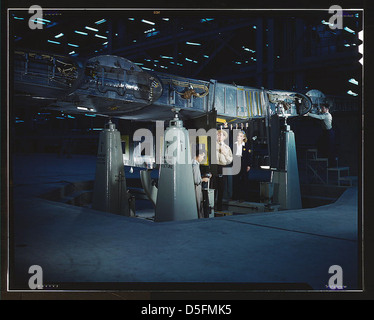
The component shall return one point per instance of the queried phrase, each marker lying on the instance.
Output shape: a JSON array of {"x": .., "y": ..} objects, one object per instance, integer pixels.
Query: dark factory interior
[{"x": 66, "y": 93}]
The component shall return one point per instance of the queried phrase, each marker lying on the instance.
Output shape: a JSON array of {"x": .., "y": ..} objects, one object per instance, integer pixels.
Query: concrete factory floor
[{"x": 76, "y": 246}]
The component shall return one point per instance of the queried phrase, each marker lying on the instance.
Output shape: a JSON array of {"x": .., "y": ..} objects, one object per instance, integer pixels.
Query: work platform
[{"x": 80, "y": 248}]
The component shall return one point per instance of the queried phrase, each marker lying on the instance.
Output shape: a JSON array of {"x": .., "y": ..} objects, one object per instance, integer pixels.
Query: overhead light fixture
[
  {"x": 132, "y": 19},
  {"x": 206, "y": 20},
  {"x": 354, "y": 81},
  {"x": 41, "y": 21},
  {"x": 100, "y": 21},
  {"x": 59, "y": 35},
  {"x": 327, "y": 23},
  {"x": 150, "y": 30},
  {"x": 148, "y": 22},
  {"x": 37, "y": 21},
  {"x": 247, "y": 49},
  {"x": 205, "y": 56},
  {"x": 17, "y": 18},
  {"x": 73, "y": 45},
  {"x": 166, "y": 57},
  {"x": 190, "y": 60},
  {"x": 151, "y": 34},
  {"x": 352, "y": 93},
  {"x": 42, "y": 98},
  {"x": 80, "y": 32},
  {"x": 105, "y": 43},
  {"x": 52, "y": 24},
  {"x": 72, "y": 52},
  {"x": 92, "y": 29},
  {"x": 100, "y": 36},
  {"x": 193, "y": 43},
  {"x": 55, "y": 42},
  {"x": 165, "y": 19},
  {"x": 349, "y": 30}
]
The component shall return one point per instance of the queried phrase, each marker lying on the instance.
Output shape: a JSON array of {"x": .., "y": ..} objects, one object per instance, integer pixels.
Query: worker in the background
[
  {"x": 241, "y": 181},
  {"x": 327, "y": 139},
  {"x": 224, "y": 158},
  {"x": 198, "y": 180}
]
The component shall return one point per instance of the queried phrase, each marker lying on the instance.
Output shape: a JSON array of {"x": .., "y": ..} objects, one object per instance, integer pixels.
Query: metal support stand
[
  {"x": 286, "y": 178},
  {"x": 176, "y": 199},
  {"x": 110, "y": 191}
]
